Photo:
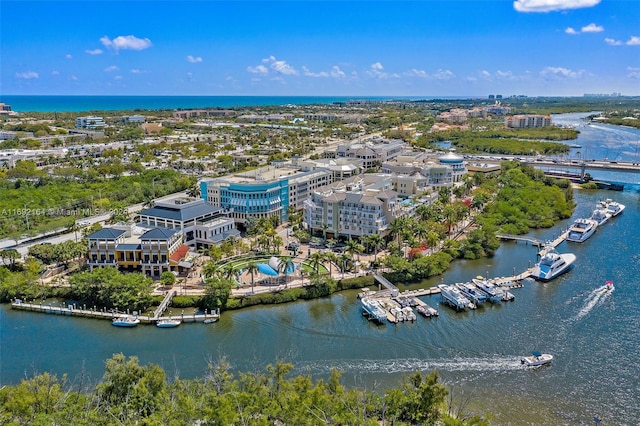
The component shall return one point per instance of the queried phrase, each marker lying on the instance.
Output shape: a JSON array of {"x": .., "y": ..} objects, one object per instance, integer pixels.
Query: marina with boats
[{"x": 391, "y": 305}]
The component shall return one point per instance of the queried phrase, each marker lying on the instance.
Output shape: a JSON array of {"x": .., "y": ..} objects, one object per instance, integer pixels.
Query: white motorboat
[
  {"x": 473, "y": 293},
  {"x": 210, "y": 320},
  {"x": 581, "y": 230},
  {"x": 168, "y": 323},
  {"x": 373, "y": 310},
  {"x": 427, "y": 311},
  {"x": 600, "y": 215},
  {"x": 609, "y": 285},
  {"x": 536, "y": 359},
  {"x": 125, "y": 321},
  {"x": 491, "y": 290},
  {"x": 552, "y": 264},
  {"x": 614, "y": 207},
  {"x": 452, "y": 296}
]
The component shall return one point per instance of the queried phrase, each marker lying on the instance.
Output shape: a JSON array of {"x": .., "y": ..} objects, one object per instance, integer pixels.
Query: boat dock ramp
[{"x": 73, "y": 310}]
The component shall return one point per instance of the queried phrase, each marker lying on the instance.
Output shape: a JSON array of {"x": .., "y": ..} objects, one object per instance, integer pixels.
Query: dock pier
[{"x": 73, "y": 310}]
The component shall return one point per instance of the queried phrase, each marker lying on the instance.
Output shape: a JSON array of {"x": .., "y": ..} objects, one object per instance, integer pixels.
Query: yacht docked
[
  {"x": 473, "y": 293},
  {"x": 168, "y": 323},
  {"x": 451, "y": 296},
  {"x": 552, "y": 264},
  {"x": 614, "y": 207},
  {"x": 372, "y": 309},
  {"x": 581, "y": 230},
  {"x": 536, "y": 359},
  {"x": 491, "y": 290},
  {"x": 125, "y": 321},
  {"x": 600, "y": 214}
]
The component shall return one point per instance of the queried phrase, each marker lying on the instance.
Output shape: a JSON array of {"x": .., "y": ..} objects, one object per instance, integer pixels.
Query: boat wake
[
  {"x": 595, "y": 298},
  {"x": 409, "y": 365}
]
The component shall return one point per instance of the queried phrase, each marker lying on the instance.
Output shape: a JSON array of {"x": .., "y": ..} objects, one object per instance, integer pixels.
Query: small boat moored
[
  {"x": 210, "y": 320},
  {"x": 536, "y": 359},
  {"x": 168, "y": 323},
  {"x": 125, "y": 321}
]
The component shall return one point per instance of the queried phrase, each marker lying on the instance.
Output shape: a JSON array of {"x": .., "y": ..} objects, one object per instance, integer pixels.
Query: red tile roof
[{"x": 180, "y": 253}]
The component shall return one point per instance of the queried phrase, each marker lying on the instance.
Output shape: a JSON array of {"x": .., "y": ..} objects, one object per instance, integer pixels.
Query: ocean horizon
[{"x": 82, "y": 103}]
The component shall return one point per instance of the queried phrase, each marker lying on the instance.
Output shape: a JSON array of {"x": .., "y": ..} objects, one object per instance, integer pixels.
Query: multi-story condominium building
[
  {"x": 200, "y": 223},
  {"x": 373, "y": 152},
  {"x": 134, "y": 249},
  {"x": 90, "y": 122},
  {"x": 522, "y": 121},
  {"x": 353, "y": 208},
  {"x": 455, "y": 116}
]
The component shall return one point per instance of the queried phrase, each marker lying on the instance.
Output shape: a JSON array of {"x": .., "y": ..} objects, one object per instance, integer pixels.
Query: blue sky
[{"x": 355, "y": 48}]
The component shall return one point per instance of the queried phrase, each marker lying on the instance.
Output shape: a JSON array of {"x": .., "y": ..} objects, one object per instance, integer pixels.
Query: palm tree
[
  {"x": 396, "y": 227},
  {"x": 331, "y": 258},
  {"x": 354, "y": 247},
  {"x": 344, "y": 261},
  {"x": 375, "y": 240},
  {"x": 252, "y": 268},
  {"x": 209, "y": 269},
  {"x": 316, "y": 259}
]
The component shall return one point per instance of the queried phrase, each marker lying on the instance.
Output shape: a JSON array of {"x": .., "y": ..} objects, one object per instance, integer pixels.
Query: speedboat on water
[
  {"x": 600, "y": 215},
  {"x": 609, "y": 285},
  {"x": 552, "y": 264},
  {"x": 168, "y": 323},
  {"x": 536, "y": 359},
  {"x": 581, "y": 230},
  {"x": 125, "y": 321}
]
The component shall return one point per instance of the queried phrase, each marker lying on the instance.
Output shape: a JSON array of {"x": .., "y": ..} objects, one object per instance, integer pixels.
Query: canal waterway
[{"x": 594, "y": 339}]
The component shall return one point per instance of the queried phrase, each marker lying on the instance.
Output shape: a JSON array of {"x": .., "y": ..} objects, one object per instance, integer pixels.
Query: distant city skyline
[{"x": 353, "y": 48}]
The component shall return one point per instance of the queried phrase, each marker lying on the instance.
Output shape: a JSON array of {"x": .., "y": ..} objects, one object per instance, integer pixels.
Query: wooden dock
[{"x": 73, "y": 310}]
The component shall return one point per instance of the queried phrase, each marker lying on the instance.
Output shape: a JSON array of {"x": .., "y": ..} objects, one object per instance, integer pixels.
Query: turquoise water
[{"x": 594, "y": 339}]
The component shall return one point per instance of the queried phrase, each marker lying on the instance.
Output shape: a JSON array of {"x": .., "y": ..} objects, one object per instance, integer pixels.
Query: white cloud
[
  {"x": 278, "y": 66},
  {"x": 376, "y": 71},
  {"x": 117, "y": 77},
  {"x": 336, "y": 72},
  {"x": 551, "y": 5},
  {"x": 94, "y": 52},
  {"x": 260, "y": 69},
  {"x": 129, "y": 42},
  {"x": 444, "y": 75},
  {"x": 306, "y": 72},
  {"x": 282, "y": 67},
  {"x": 504, "y": 74},
  {"x": 633, "y": 41},
  {"x": 111, "y": 68},
  {"x": 68, "y": 56},
  {"x": 137, "y": 71},
  {"x": 485, "y": 74},
  {"x": 612, "y": 42},
  {"x": 592, "y": 28},
  {"x": 560, "y": 73},
  {"x": 74, "y": 78},
  {"x": 194, "y": 60},
  {"x": 633, "y": 73},
  {"x": 413, "y": 72},
  {"x": 571, "y": 31},
  {"x": 28, "y": 75},
  {"x": 55, "y": 72}
]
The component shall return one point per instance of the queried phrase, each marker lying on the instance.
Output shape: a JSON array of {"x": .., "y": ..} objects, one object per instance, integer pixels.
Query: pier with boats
[
  {"x": 124, "y": 319},
  {"x": 395, "y": 306}
]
